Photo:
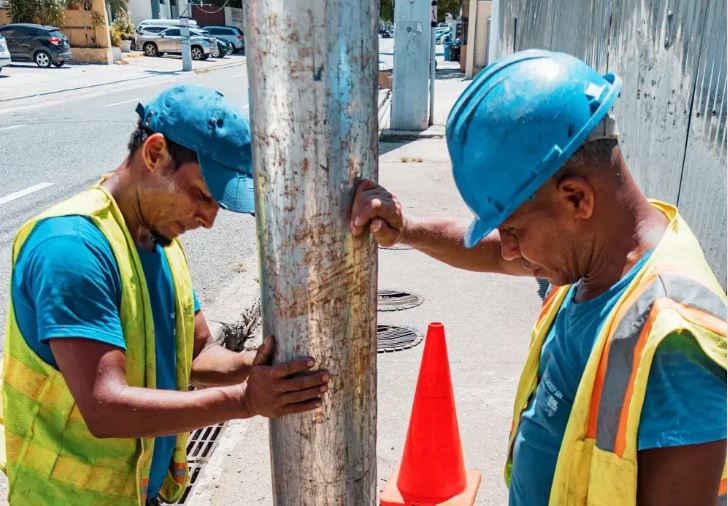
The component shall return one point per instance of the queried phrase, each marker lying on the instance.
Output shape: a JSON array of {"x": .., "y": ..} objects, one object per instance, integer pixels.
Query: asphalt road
[{"x": 48, "y": 153}]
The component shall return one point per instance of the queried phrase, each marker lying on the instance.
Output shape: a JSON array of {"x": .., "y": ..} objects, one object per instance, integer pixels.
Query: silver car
[
  {"x": 214, "y": 43},
  {"x": 4, "y": 53},
  {"x": 232, "y": 34},
  {"x": 170, "y": 41}
]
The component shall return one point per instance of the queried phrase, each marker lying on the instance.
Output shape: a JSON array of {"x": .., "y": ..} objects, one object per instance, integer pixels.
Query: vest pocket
[
  {"x": 612, "y": 480},
  {"x": 577, "y": 485}
]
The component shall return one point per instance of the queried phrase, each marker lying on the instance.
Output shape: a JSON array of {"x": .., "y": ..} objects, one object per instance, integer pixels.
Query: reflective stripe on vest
[
  {"x": 614, "y": 384},
  {"x": 674, "y": 291}
]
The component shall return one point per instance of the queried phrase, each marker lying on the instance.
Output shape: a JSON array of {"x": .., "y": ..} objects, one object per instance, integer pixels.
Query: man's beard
[{"x": 160, "y": 239}]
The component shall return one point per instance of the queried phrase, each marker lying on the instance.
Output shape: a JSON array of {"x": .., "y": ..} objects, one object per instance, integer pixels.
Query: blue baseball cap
[{"x": 200, "y": 119}]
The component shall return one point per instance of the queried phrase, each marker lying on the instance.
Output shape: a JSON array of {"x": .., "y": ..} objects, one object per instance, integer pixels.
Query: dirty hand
[
  {"x": 374, "y": 205},
  {"x": 275, "y": 390}
]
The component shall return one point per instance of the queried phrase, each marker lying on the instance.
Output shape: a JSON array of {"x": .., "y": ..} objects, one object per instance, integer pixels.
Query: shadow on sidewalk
[
  {"x": 445, "y": 74},
  {"x": 386, "y": 147},
  {"x": 163, "y": 72}
]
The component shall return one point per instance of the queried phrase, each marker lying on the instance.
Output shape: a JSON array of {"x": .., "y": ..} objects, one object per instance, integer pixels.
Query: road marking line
[
  {"x": 124, "y": 102},
  {"x": 23, "y": 193},
  {"x": 11, "y": 127}
]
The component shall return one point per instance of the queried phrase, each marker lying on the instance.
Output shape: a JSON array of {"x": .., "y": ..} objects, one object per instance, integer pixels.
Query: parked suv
[
  {"x": 232, "y": 34},
  {"x": 170, "y": 41},
  {"x": 156, "y": 26},
  {"x": 44, "y": 45},
  {"x": 4, "y": 53},
  {"x": 163, "y": 22},
  {"x": 219, "y": 48}
]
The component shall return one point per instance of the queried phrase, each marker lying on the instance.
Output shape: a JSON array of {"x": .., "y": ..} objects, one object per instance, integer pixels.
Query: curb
[
  {"x": 433, "y": 132},
  {"x": 232, "y": 301}
]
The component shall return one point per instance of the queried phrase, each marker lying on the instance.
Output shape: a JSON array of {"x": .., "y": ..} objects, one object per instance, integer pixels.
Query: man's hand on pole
[
  {"x": 275, "y": 390},
  {"x": 375, "y": 206}
]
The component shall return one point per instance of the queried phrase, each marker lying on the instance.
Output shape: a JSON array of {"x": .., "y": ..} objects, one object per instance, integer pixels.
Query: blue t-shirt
[
  {"x": 685, "y": 402},
  {"x": 66, "y": 283}
]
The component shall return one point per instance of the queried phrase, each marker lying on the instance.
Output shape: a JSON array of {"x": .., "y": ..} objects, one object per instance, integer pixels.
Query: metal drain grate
[
  {"x": 396, "y": 246},
  {"x": 393, "y": 338},
  {"x": 397, "y": 300},
  {"x": 200, "y": 447}
]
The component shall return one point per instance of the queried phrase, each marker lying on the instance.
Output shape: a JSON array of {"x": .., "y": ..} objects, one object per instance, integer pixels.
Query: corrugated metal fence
[{"x": 671, "y": 55}]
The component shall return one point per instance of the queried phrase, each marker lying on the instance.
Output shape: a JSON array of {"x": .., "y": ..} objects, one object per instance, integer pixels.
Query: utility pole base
[{"x": 391, "y": 496}]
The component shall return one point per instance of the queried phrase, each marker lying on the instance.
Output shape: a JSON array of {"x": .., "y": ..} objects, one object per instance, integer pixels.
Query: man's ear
[
  {"x": 156, "y": 153},
  {"x": 576, "y": 195}
]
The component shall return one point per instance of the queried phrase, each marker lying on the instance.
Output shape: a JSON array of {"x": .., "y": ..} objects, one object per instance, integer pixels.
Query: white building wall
[{"x": 139, "y": 10}]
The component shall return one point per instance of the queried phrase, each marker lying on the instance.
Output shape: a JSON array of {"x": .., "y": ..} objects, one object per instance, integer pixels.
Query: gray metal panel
[
  {"x": 577, "y": 28},
  {"x": 410, "y": 85},
  {"x": 582, "y": 29},
  {"x": 702, "y": 196},
  {"x": 655, "y": 47}
]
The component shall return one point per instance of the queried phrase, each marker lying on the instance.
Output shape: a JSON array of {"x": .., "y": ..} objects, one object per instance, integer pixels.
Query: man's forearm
[
  {"x": 217, "y": 366},
  {"x": 442, "y": 239},
  {"x": 142, "y": 412}
]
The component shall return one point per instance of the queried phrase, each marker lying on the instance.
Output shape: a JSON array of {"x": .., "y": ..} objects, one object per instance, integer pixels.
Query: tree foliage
[
  {"x": 44, "y": 12},
  {"x": 50, "y": 12}
]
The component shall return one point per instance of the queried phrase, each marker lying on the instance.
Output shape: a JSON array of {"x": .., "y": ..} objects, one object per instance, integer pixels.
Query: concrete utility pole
[
  {"x": 184, "y": 25},
  {"x": 312, "y": 68},
  {"x": 433, "y": 63},
  {"x": 410, "y": 88}
]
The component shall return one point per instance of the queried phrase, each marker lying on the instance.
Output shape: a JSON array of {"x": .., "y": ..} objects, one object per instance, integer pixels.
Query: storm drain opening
[
  {"x": 397, "y": 300},
  {"x": 392, "y": 338},
  {"x": 396, "y": 246},
  {"x": 200, "y": 447}
]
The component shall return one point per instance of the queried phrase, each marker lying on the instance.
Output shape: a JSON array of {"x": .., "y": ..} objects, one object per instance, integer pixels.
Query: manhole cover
[
  {"x": 397, "y": 300},
  {"x": 396, "y": 246},
  {"x": 393, "y": 338},
  {"x": 199, "y": 450}
]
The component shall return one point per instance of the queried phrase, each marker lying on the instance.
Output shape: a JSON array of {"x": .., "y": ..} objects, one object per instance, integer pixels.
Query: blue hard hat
[
  {"x": 516, "y": 125},
  {"x": 200, "y": 119}
]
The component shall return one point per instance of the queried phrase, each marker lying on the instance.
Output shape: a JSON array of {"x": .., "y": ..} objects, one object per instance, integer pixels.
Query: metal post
[
  {"x": 184, "y": 26},
  {"x": 433, "y": 63},
  {"x": 411, "y": 65},
  {"x": 312, "y": 68}
]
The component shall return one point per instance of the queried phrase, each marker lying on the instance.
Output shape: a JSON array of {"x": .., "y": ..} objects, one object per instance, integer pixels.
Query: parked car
[
  {"x": 4, "y": 53},
  {"x": 42, "y": 44},
  {"x": 225, "y": 48},
  {"x": 218, "y": 48},
  {"x": 162, "y": 22},
  {"x": 232, "y": 34},
  {"x": 443, "y": 34},
  {"x": 156, "y": 26},
  {"x": 170, "y": 41}
]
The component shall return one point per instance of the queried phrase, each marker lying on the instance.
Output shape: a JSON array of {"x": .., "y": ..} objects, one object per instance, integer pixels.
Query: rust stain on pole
[{"x": 312, "y": 68}]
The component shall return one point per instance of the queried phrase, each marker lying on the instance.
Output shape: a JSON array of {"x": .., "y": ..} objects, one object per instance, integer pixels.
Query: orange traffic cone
[{"x": 432, "y": 470}]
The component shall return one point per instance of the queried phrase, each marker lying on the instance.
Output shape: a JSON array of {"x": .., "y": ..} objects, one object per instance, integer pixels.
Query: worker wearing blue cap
[
  {"x": 105, "y": 333},
  {"x": 622, "y": 399}
]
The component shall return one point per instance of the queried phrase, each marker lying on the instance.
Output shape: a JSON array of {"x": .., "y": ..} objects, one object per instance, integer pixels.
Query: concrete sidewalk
[
  {"x": 21, "y": 82},
  {"x": 488, "y": 320}
]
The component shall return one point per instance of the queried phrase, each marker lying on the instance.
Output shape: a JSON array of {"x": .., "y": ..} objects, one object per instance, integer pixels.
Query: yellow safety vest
[
  {"x": 51, "y": 457},
  {"x": 675, "y": 291}
]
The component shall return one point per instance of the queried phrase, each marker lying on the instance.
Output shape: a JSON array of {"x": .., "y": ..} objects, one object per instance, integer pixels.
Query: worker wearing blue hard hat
[
  {"x": 105, "y": 333},
  {"x": 622, "y": 399}
]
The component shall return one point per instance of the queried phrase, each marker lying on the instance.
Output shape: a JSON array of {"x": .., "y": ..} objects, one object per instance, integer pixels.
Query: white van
[{"x": 161, "y": 22}]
